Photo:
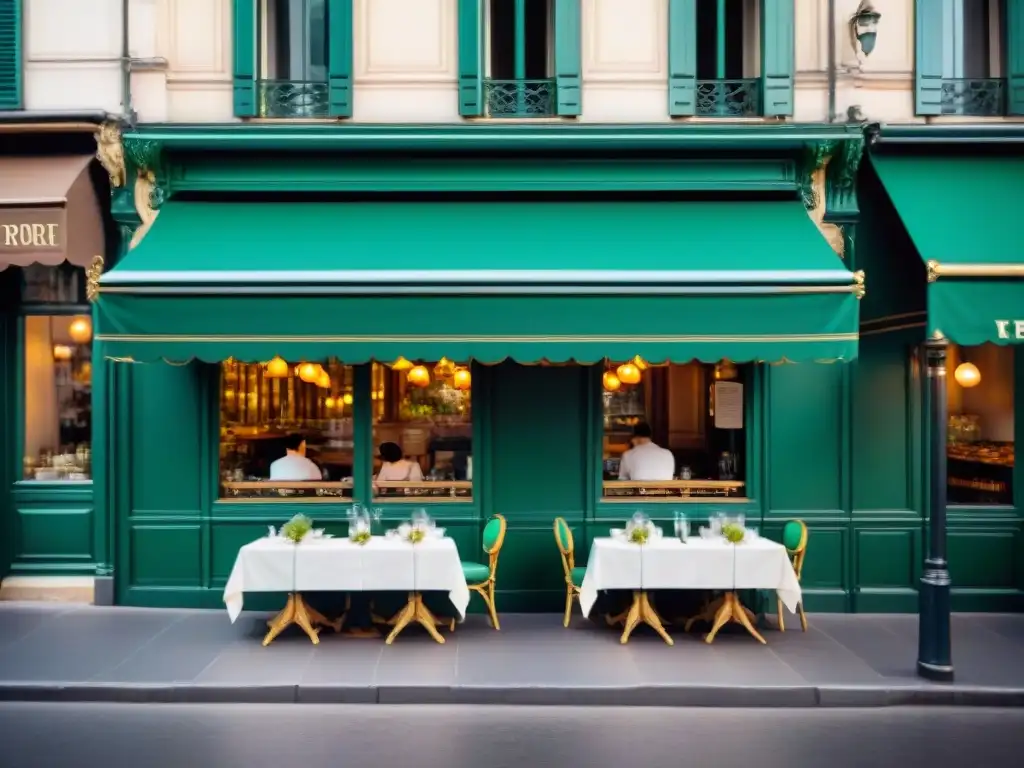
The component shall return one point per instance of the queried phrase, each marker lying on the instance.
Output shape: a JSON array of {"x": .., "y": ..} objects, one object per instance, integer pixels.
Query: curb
[{"x": 639, "y": 696}]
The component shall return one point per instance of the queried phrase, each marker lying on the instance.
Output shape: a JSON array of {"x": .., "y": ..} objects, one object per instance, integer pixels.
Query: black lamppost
[{"x": 934, "y": 654}]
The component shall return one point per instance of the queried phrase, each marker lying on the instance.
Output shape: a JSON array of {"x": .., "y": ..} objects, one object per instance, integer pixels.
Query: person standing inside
[
  {"x": 646, "y": 461},
  {"x": 294, "y": 466}
]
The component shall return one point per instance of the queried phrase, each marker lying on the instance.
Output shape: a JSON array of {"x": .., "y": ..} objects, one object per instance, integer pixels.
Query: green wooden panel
[
  {"x": 167, "y": 439},
  {"x": 568, "y": 59},
  {"x": 339, "y": 57},
  {"x": 778, "y": 56},
  {"x": 245, "y": 58},
  {"x": 932, "y": 38},
  {"x": 1015, "y": 57},
  {"x": 10, "y": 54},
  {"x": 51, "y": 529},
  {"x": 471, "y": 65},
  {"x": 886, "y": 558},
  {"x": 166, "y": 555},
  {"x": 882, "y": 427},
  {"x": 682, "y": 57},
  {"x": 984, "y": 559},
  {"x": 805, "y": 436}
]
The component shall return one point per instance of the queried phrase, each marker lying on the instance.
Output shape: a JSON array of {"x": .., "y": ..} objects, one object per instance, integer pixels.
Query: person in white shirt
[
  {"x": 646, "y": 461},
  {"x": 294, "y": 465},
  {"x": 394, "y": 465}
]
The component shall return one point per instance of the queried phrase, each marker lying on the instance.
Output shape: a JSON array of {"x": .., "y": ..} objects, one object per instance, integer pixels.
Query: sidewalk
[{"x": 84, "y": 653}]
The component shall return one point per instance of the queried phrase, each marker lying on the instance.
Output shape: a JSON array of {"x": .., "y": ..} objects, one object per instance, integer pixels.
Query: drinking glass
[
  {"x": 376, "y": 515},
  {"x": 715, "y": 524},
  {"x": 682, "y": 525}
]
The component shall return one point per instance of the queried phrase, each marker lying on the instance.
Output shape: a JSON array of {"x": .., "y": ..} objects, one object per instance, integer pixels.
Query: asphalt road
[{"x": 377, "y": 736}]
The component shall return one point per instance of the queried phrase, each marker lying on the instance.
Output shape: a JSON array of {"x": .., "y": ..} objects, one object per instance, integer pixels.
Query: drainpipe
[
  {"x": 126, "y": 67},
  {"x": 831, "y": 61}
]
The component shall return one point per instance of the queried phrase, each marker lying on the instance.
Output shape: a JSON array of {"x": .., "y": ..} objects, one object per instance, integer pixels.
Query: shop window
[
  {"x": 521, "y": 80},
  {"x": 422, "y": 431},
  {"x": 728, "y": 82},
  {"x": 292, "y": 80},
  {"x": 286, "y": 430},
  {"x": 980, "y": 437},
  {"x": 63, "y": 285},
  {"x": 57, "y": 383},
  {"x": 674, "y": 432}
]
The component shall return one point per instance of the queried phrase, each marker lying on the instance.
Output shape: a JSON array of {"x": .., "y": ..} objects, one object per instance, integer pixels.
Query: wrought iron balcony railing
[
  {"x": 729, "y": 98},
  {"x": 292, "y": 98},
  {"x": 974, "y": 98},
  {"x": 520, "y": 98}
]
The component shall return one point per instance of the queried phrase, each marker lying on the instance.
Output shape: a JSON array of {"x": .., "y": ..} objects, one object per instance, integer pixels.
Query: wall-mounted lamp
[{"x": 864, "y": 27}]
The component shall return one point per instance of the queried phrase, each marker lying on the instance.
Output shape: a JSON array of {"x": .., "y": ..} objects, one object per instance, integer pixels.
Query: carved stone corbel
[
  {"x": 812, "y": 180},
  {"x": 110, "y": 153},
  {"x": 92, "y": 278},
  {"x": 145, "y": 157}
]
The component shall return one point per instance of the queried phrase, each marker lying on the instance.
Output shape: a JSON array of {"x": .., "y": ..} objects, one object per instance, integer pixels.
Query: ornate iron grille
[
  {"x": 520, "y": 98},
  {"x": 976, "y": 98},
  {"x": 293, "y": 98},
  {"x": 729, "y": 98}
]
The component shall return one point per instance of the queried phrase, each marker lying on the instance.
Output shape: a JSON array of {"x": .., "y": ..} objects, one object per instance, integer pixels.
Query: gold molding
[
  {"x": 937, "y": 270},
  {"x": 858, "y": 284},
  {"x": 832, "y": 233},
  {"x": 110, "y": 153},
  {"x": 145, "y": 183},
  {"x": 933, "y": 270},
  {"x": 412, "y": 338},
  {"x": 92, "y": 278}
]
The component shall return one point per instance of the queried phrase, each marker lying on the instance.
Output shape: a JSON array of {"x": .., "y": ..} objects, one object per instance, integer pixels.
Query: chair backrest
[
  {"x": 566, "y": 547},
  {"x": 493, "y": 538},
  {"x": 794, "y": 539}
]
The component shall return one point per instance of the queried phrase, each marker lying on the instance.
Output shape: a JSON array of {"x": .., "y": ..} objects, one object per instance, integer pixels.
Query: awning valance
[
  {"x": 487, "y": 281},
  {"x": 963, "y": 214},
  {"x": 49, "y": 212}
]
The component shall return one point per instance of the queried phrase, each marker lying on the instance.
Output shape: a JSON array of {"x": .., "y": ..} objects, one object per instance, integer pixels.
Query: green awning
[
  {"x": 976, "y": 263},
  {"x": 530, "y": 281}
]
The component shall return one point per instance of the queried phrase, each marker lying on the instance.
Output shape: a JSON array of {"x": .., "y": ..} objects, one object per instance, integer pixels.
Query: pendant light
[
  {"x": 610, "y": 382},
  {"x": 401, "y": 364},
  {"x": 323, "y": 379},
  {"x": 308, "y": 372},
  {"x": 418, "y": 376},
  {"x": 628, "y": 373},
  {"x": 80, "y": 329},
  {"x": 444, "y": 369},
  {"x": 967, "y": 375},
  {"x": 462, "y": 379},
  {"x": 276, "y": 369}
]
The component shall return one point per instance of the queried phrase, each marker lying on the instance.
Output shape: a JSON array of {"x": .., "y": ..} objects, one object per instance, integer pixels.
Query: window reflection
[
  {"x": 286, "y": 429},
  {"x": 980, "y": 437},
  {"x": 58, "y": 398},
  {"x": 422, "y": 431},
  {"x": 673, "y": 431}
]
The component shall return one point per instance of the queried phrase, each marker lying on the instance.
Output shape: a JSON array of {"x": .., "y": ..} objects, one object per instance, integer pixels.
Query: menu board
[{"x": 728, "y": 405}]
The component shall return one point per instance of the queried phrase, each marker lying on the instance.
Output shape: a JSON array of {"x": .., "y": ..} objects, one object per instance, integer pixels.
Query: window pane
[
  {"x": 286, "y": 429},
  {"x": 674, "y": 431},
  {"x": 980, "y": 439},
  {"x": 52, "y": 285},
  {"x": 58, "y": 398},
  {"x": 422, "y": 432}
]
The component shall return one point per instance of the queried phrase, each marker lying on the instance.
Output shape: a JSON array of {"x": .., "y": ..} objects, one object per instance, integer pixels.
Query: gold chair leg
[
  {"x": 568, "y": 607},
  {"x": 803, "y": 616},
  {"x": 489, "y": 599},
  {"x": 782, "y": 620}
]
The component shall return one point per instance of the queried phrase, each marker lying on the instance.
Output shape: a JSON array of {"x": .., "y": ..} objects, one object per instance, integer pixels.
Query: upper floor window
[
  {"x": 961, "y": 51},
  {"x": 731, "y": 58},
  {"x": 293, "y": 58},
  {"x": 10, "y": 54},
  {"x": 520, "y": 59}
]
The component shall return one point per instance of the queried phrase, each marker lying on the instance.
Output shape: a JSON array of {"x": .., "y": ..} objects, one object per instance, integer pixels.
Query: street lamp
[
  {"x": 864, "y": 27},
  {"x": 934, "y": 654}
]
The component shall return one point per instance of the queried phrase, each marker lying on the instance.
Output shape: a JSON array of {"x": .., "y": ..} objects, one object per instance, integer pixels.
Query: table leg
[
  {"x": 295, "y": 612},
  {"x": 707, "y": 614},
  {"x": 641, "y": 610},
  {"x": 732, "y": 610},
  {"x": 415, "y": 610}
]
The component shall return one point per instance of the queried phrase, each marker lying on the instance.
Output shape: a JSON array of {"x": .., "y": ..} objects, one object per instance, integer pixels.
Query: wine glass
[
  {"x": 682, "y": 525},
  {"x": 376, "y": 515}
]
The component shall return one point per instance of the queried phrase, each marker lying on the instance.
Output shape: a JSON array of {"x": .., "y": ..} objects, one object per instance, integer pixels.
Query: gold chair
[
  {"x": 573, "y": 574},
  {"x": 481, "y": 578},
  {"x": 794, "y": 539}
]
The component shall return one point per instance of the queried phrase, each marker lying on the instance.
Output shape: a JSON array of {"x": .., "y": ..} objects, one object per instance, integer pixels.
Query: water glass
[
  {"x": 715, "y": 524},
  {"x": 376, "y": 516},
  {"x": 682, "y": 526},
  {"x": 706, "y": 533}
]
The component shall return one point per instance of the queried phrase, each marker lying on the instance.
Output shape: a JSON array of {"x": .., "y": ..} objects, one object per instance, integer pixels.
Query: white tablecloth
[
  {"x": 338, "y": 565},
  {"x": 668, "y": 563}
]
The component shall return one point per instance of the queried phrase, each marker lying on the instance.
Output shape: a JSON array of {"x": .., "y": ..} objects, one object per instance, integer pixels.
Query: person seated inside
[
  {"x": 294, "y": 465},
  {"x": 646, "y": 461},
  {"x": 395, "y": 467}
]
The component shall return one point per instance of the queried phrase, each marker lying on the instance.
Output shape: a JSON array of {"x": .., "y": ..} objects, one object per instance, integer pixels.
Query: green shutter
[
  {"x": 932, "y": 36},
  {"x": 10, "y": 54},
  {"x": 568, "y": 88},
  {"x": 682, "y": 57},
  {"x": 1015, "y": 57},
  {"x": 339, "y": 57},
  {"x": 471, "y": 102},
  {"x": 778, "y": 57},
  {"x": 245, "y": 58}
]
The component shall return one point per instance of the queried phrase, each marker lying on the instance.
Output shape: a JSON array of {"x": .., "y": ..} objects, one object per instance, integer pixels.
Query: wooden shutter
[
  {"x": 10, "y": 54},
  {"x": 778, "y": 57},
  {"x": 471, "y": 50},
  {"x": 932, "y": 37},
  {"x": 568, "y": 88},
  {"x": 339, "y": 57},
  {"x": 245, "y": 58},
  {"x": 682, "y": 57},
  {"x": 1014, "y": 57}
]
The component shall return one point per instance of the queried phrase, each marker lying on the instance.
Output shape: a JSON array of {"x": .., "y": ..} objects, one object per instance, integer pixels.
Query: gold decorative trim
[
  {"x": 858, "y": 284},
  {"x": 938, "y": 335},
  {"x": 478, "y": 339},
  {"x": 92, "y": 278},
  {"x": 937, "y": 270},
  {"x": 144, "y": 186},
  {"x": 110, "y": 153},
  {"x": 832, "y": 233},
  {"x": 933, "y": 270}
]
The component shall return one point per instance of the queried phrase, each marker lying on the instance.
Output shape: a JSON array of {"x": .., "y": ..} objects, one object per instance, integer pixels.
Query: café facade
[{"x": 504, "y": 304}]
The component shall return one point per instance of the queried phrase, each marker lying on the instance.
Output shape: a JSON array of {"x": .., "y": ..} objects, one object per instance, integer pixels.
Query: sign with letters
[
  {"x": 1010, "y": 329},
  {"x": 31, "y": 230}
]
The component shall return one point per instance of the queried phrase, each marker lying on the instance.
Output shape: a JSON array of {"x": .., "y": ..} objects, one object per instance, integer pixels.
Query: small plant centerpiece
[
  {"x": 296, "y": 529},
  {"x": 416, "y": 530},
  {"x": 640, "y": 529},
  {"x": 734, "y": 532},
  {"x": 359, "y": 528}
]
